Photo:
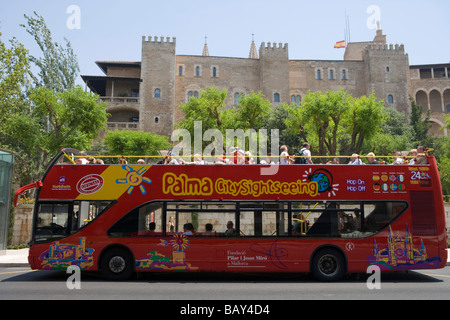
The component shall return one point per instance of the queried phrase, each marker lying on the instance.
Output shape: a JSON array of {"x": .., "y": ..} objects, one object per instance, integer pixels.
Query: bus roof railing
[{"x": 72, "y": 156}]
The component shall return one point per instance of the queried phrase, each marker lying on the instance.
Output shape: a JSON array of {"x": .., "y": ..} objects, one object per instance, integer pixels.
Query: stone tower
[
  {"x": 387, "y": 68},
  {"x": 157, "y": 89},
  {"x": 274, "y": 68}
]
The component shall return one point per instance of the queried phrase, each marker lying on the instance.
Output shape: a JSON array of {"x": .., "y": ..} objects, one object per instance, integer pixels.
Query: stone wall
[{"x": 23, "y": 221}]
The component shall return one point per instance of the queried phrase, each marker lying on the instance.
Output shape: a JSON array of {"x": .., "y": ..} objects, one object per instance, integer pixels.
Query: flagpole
[
  {"x": 345, "y": 29},
  {"x": 348, "y": 29}
]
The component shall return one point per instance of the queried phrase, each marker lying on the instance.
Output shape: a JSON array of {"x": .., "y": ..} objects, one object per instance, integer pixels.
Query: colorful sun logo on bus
[
  {"x": 135, "y": 179},
  {"x": 179, "y": 242},
  {"x": 324, "y": 179}
]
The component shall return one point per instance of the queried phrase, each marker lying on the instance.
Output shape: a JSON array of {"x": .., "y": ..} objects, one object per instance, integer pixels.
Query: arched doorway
[
  {"x": 435, "y": 101},
  {"x": 422, "y": 99}
]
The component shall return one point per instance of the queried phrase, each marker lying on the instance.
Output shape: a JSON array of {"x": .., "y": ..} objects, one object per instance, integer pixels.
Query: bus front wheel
[
  {"x": 328, "y": 265},
  {"x": 117, "y": 264}
]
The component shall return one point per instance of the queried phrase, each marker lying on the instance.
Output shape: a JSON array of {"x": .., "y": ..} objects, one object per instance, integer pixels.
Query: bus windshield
[{"x": 60, "y": 219}]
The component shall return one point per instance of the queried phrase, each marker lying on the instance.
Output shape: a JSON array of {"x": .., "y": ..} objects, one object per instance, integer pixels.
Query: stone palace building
[{"x": 145, "y": 95}]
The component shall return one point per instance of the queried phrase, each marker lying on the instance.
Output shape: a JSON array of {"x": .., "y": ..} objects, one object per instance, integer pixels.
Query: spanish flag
[{"x": 340, "y": 44}]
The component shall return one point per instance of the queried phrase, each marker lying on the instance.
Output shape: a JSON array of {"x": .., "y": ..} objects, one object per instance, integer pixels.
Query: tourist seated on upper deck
[
  {"x": 237, "y": 156},
  {"x": 221, "y": 159},
  {"x": 413, "y": 155},
  {"x": 334, "y": 161},
  {"x": 248, "y": 158},
  {"x": 397, "y": 157},
  {"x": 197, "y": 160},
  {"x": 371, "y": 158},
  {"x": 267, "y": 160},
  {"x": 81, "y": 161},
  {"x": 355, "y": 160},
  {"x": 421, "y": 156},
  {"x": 98, "y": 161},
  {"x": 170, "y": 159}
]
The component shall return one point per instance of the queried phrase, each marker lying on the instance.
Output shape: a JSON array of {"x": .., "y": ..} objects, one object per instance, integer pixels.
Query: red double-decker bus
[{"x": 327, "y": 220}]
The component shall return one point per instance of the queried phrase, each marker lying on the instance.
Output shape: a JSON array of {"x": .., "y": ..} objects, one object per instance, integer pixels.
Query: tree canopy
[{"x": 42, "y": 116}]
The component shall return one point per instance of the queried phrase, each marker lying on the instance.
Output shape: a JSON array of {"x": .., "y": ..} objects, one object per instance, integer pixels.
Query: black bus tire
[
  {"x": 328, "y": 265},
  {"x": 117, "y": 264}
]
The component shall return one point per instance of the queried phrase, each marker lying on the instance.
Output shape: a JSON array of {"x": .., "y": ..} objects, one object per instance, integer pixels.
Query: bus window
[
  {"x": 378, "y": 215},
  {"x": 57, "y": 220},
  {"x": 209, "y": 219},
  {"x": 344, "y": 219},
  {"x": 305, "y": 214},
  {"x": 84, "y": 212},
  {"x": 52, "y": 221},
  {"x": 143, "y": 221},
  {"x": 264, "y": 219},
  {"x": 326, "y": 225}
]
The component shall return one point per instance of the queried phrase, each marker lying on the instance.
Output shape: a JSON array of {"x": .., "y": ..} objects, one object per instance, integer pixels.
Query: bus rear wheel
[
  {"x": 328, "y": 265},
  {"x": 117, "y": 264}
]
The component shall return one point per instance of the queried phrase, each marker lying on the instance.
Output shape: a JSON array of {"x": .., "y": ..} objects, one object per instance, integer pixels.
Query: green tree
[
  {"x": 252, "y": 111},
  {"x": 363, "y": 121},
  {"x": 59, "y": 65},
  {"x": 56, "y": 120},
  {"x": 209, "y": 108},
  {"x": 395, "y": 134},
  {"x": 14, "y": 68},
  {"x": 335, "y": 122},
  {"x": 277, "y": 119},
  {"x": 320, "y": 114},
  {"x": 420, "y": 124},
  {"x": 138, "y": 143}
]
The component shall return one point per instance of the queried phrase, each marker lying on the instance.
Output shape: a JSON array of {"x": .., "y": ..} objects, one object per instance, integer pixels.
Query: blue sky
[{"x": 113, "y": 30}]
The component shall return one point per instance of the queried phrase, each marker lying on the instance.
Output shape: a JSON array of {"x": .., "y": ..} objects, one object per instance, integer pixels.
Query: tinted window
[{"x": 58, "y": 220}]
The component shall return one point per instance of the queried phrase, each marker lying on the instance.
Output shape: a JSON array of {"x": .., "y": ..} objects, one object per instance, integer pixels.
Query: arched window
[
  {"x": 214, "y": 72},
  {"x": 344, "y": 74},
  {"x": 319, "y": 74},
  {"x": 448, "y": 108},
  {"x": 192, "y": 94},
  {"x": 331, "y": 74},
  {"x": 180, "y": 70},
  {"x": 197, "y": 71},
  {"x": 390, "y": 99},
  {"x": 299, "y": 100},
  {"x": 292, "y": 99},
  {"x": 157, "y": 93},
  {"x": 276, "y": 97}
]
